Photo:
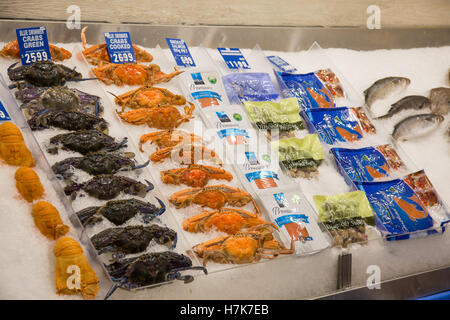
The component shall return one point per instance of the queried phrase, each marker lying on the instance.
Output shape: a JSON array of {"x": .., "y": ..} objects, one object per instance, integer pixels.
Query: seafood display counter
[{"x": 283, "y": 170}]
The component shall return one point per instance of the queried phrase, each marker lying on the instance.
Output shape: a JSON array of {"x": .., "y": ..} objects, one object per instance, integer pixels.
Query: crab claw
[
  {"x": 113, "y": 289},
  {"x": 150, "y": 186},
  {"x": 163, "y": 207},
  {"x": 140, "y": 166},
  {"x": 12, "y": 66},
  {"x": 174, "y": 244},
  {"x": 175, "y": 274}
]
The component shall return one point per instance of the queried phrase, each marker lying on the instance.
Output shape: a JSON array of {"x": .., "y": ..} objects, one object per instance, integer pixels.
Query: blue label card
[
  {"x": 180, "y": 52},
  {"x": 33, "y": 45},
  {"x": 233, "y": 58},
  {"x": 120, "y": 48},
  {"x": 281, "y": 64},
  {"x": 4, "y": 116}
]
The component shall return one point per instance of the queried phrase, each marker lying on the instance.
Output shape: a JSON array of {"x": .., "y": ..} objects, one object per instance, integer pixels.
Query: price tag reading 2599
[
  {"x": 120, "y": 48},
  {"x": 33, "y": 45}
]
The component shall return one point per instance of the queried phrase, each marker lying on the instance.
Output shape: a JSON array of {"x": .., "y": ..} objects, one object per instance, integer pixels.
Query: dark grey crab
[
  {"x": 43, "y": 74},
  {"x": 97, "y": 163},
  {"x": 84, "y": 142},
  {"x": 69, "y": 120},
  {"x": 150, "y": 268},
  {"x": 37, "y": 100},
  {"x": 120, "y": 211},
  {"x": 132, "y": 239},
  {"x": 107, "y": 187}
]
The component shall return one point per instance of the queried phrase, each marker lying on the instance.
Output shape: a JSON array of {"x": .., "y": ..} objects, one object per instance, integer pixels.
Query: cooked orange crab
[
  {"x": 166, "y": 117},
  {"x": 186, "y": 154},
  {"x": 11, "y": 50},
  {"x": 247, "y": 246},
  {"x": 195, "y": 175},
  {"x": 214, "y": 197},
  {"x": 98, "y": 54},
  {"x": 168, "y": 138},
  {"x": 147, "y": 97},
  {"x": 228, "y": 220},
  {"x": 133, "y": 74}
]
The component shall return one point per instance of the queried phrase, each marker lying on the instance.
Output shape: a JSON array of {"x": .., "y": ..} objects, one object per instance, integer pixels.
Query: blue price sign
[
  {"x": 233, "y": 58},
  {"x": 180, "y": 52},
  {"x": 281, "y": 64},
  {"x": 120, "y": 48},
  {"x": 33, "y": 45},
  {"x": 4, "y": 116}
]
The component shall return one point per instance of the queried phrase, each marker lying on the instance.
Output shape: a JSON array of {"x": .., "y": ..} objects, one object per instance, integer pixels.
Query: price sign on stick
[
  {"x": 33, "y": 45},
  {"x": 233, "y": 58},
  {"x": 120, "y": 48},
  {"x": 180, "y": 52},
  {"x": 4, "y": 116},
  {"x": 281, "y": 64}
]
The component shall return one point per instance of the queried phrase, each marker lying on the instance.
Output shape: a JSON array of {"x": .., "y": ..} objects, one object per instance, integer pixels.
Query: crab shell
[
  {"x": 11, "y": 50},
  {"x": 133, "y": 74},
  {"x": 165, "y": 117},
  {"x": 214, "y": 197},
  {"x": 47, "y": 219},
  {"x": 148, "y": 97},
  {"x": 28, "y": 184},
  {"x": 12, "y": 146},
  {"x": 186, "y": 154},
  {"x": 71, "y": 263},
  {"x": 168, "y": 138},
  {"x": 98, "y": 54},
  {"x": 228, "y": 220},
  {"x": 194, "y": 175}
]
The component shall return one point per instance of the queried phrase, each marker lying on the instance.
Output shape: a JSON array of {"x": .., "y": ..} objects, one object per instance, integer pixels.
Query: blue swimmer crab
[
  {"x": 107, "y": 187},
  {"x": 84, "y": 142},
  {"x": 36, "y": 100},
  {"x": 120, "y": 211},
  {"x": 97, "y": 163},
  {"x": 150, "y": 268},
  {"x": 69, "y": 120},
  {"x": 132, "y": 239}
]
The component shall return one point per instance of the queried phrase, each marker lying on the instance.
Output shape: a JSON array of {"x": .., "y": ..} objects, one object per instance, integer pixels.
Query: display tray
[{"x": 278, "y": 272}]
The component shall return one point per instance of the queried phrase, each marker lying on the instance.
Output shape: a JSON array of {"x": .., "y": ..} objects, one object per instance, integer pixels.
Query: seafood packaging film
[
  {"x": 252, "y": 86},
  {"x": 297, "y": 222}
]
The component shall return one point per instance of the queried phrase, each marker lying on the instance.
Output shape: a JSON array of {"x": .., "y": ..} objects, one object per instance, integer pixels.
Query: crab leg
[
  {"x": 175, "y": 274},
  {"x": 140, "y": 166}
]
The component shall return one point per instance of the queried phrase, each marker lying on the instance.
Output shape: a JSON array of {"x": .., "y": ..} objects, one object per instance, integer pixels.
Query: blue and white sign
[
  {"x": 281, "y": 64},
  {"x": 33, "y": 45},
  {"x": 234, "y": 58},
  {"x": 120, "y": 48},
  {"x": 4, "y": 116},
  {"x": 180, "y": 52}
]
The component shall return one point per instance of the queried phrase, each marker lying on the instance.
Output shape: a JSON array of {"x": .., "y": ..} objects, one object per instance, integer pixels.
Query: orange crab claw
[
  {"x": 168, "y": 138},
  {"x": 194, "y": 175}
]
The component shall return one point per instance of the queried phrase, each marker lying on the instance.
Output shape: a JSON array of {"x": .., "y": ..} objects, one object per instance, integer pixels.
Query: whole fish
[
  {"x": 416, "y": 126},
  {"x": 440, "y": 100},
  {"x": 408, "y": 102},
  {"x": 383, "y": 88}
]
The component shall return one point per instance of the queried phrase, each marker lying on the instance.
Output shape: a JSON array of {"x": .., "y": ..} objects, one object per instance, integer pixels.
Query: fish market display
[
  {"x": 417, "y": 126},
  {"x": 367, "y": 164},
  {"x": 228, "y": 220},
  {"x": 11, "y": 50},
  {"x": 69, "y": 256},
  {"x": 97, "y": 163},
  {"x": 149, "y": 97},
  {"x": 133, "y": 74},
  {"x": 301, "y": 157},
  {"x": 120, "y": 211},
  {"x": 98, "y": 54},
  {"x": 440, "y": 100},
  {"x": 28, "y": 184},
  {"x": 13, "y": 149},
  {"x": 132, "y": 239},
  {"x": 384, "y": 88},
  {"x": 246, "y": 246},
  {"x": 84, "y": 142},
  {"x": 408, "y": 102},
  {"x": 107, "y": 187},
  {"x": 345, "y": 216},
  {"x": 214, "y": 197},
  {"x": 194, "y": 175},
  {"x": 165, "y": 117},
  {"x": 48, "y": 221}
]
